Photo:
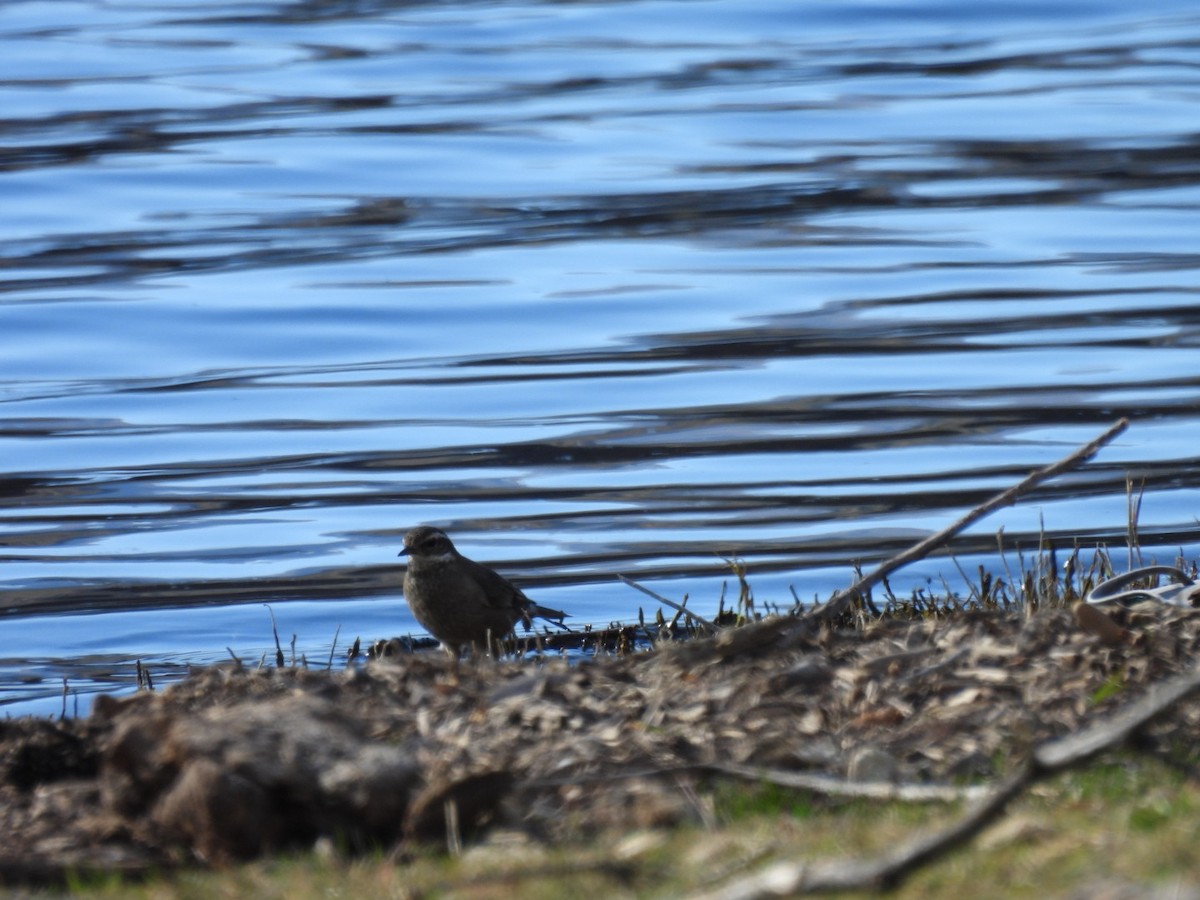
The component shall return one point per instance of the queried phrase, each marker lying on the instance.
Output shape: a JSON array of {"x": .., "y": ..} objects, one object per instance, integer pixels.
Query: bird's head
[{"x": 427, "y": 542}]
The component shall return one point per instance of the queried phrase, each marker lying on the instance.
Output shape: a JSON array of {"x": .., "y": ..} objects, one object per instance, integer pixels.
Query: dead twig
[
  {"x": 838, "y": 603},
  {"x": 888, "y": 869},
  {"x": 814, "y": 782},
  {"x": 1118, "y": 727},
  {"x": 699, "y": 620},
  {"x": 832, "y": 786}
]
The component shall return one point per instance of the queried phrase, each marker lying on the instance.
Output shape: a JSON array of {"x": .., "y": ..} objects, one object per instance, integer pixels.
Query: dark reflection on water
[
  {"x": 624, "y": 287},
  {"x": 762, "y": 215}
]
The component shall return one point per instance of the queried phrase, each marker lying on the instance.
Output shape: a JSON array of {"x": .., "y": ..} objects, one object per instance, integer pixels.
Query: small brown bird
[{"x": 459, "y": 601}]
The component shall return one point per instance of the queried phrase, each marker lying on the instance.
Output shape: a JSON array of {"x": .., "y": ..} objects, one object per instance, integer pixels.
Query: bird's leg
[{"x": 455, "y": 653}]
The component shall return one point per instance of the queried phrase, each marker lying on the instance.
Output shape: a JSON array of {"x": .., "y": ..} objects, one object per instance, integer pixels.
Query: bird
[{"x": 462, "y": 603}]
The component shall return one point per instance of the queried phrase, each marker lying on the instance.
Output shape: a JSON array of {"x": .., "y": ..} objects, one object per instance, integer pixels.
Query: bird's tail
[{"x": 544, "y": 612}]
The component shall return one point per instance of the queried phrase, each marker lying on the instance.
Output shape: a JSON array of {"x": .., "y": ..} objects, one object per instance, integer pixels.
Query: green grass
[
  {"x": 1126, "y": 819},
  {"x": 736, "y": 802}
]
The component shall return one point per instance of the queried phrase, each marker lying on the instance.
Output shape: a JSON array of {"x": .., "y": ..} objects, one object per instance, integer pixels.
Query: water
[{"x": 624, "y": 287}]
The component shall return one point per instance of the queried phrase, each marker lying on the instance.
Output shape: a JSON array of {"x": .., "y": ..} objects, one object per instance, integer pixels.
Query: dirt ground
[{"x": 233, "y": 763}]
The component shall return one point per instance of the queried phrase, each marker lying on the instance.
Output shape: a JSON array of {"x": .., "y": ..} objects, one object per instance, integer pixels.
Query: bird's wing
[
  {"x": 498, "y": 591},
  {"x": 501, "y": 593}
]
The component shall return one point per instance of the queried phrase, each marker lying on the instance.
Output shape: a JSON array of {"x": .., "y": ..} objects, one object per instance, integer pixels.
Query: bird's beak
[{"x": 403, "y": 552}]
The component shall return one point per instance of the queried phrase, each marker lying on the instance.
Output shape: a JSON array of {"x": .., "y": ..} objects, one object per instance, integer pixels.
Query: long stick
[
  {"x": 709, "y": 626},
  {"x": 842, "y": 599}
]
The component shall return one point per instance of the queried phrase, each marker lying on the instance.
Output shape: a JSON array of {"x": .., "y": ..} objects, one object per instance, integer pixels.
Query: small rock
[{"x": 871, "y": 764}]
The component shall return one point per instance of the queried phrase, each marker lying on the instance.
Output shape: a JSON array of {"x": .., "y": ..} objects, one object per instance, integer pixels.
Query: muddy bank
[{"x": 233, "y": 763}]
